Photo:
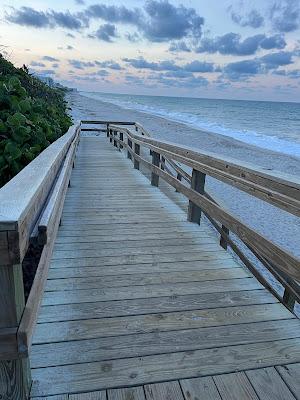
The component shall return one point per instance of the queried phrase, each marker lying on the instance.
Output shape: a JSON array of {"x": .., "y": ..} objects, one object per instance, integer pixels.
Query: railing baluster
[
  {"x": 107, "y": 130},
  {"x": 155, "y": 161},
  {"x": 197, "y": 183},
  {"x": 129, "y": 144},
  {"x": 288, "y": 299},
  {"x": 223, "y": 241},
  {"x": 121, "y": 138},
  {"x": 179, "y": 178},
  {"x": 137, "y": 151}
]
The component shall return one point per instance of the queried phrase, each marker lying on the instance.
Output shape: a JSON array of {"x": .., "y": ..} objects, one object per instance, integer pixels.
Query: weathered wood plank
[
  {"x": 268, "y": 384},
  {"x": 154, "y": 305},
  {"x": 136, "y": 292},
  {"x": 164, "y": 391},
  {"x": 155, "y": 259},
  {"x": 138, "y": 345},
  {"x": 150, "y": 369},
  {"x": 145, "y": 279},
  {"x": 84, "y": 329},
  {"x": 89, "y": 396},
  {"x": 235, "y": 386},
  {"x": 205, "y": 243},
  {"x": 200, "y": 389},
  {"x": 134, "y": 393},
  {"x": 291, "y": 375},
  {"x": 119, "y": 269}
]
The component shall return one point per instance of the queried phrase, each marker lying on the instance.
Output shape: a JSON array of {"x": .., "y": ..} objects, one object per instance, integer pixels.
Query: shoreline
[
  {"x": 275, "y": 224},
  {"x": 178, "y": 132}
]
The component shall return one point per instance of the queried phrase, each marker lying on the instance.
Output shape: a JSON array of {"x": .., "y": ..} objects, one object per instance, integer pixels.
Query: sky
[{"x": 231, "y": 49}]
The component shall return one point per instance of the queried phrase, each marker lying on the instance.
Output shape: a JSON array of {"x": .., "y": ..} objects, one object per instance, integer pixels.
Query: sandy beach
[{"x": 279, "y": 226}]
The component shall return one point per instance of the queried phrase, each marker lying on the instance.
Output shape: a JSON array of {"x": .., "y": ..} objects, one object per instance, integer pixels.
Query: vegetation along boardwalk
[{"x": 139, "y": 302}]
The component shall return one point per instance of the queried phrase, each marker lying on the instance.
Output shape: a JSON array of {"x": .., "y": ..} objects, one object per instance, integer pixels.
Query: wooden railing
[
  {"x": 280, "y": 190},
  {"x": 30, "y": 210}
]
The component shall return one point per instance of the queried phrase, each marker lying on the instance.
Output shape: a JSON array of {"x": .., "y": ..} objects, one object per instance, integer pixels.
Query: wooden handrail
[
  {"x": 34, "y": 197},
  {"x": 281, "y": 190}
]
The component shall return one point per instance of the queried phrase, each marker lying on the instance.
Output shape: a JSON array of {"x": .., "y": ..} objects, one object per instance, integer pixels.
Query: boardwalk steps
[{"x": 139, "y": 303}]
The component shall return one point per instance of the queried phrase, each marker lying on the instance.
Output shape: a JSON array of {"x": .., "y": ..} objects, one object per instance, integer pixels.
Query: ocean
[{"x": 270, "y": 125}]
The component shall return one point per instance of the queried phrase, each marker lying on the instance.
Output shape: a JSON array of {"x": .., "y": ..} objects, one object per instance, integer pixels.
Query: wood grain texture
[
  {"x": 150, "y": 369},
  {"x": 89, "y": 396},
  {"x": 145, "y": 279},
  {"x": 142, "y": 344},
  {"x": 153, "y": 305},
  {"x": 136, "y": 292},
  {"x": 200, "y": 389},
  {"x": 164, "y": 391},
  {"x": 291, "y": 375},
  {"x": 75, "y": 330},
  {"x": 134, "y": 393},
  {"x": 235, "y": 386},
  {"x": 269, "y": 385}
]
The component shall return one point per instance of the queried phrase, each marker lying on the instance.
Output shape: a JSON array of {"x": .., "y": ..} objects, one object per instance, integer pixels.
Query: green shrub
[{"x": 32, "y": 115}]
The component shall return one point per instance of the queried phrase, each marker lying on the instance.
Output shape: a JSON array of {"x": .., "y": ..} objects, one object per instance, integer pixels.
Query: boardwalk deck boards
[{"x": 142, "y": 305}]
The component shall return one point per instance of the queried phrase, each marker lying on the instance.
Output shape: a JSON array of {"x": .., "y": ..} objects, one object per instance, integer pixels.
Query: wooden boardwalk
[{"x": 141, "y": 304}]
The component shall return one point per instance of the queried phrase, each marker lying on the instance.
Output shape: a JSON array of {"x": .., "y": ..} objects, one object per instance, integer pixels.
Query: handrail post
[
  {"x": 179, "y": 178},
  {"x": 162, "y": 163},
  {"x": 129, "y": 144},
  {"x": 110, "y": 136},
  {"x": 288, "y": 299},
  {"x": 121, "y": 139},
  {"x": 115, "y": 142},
  {"x": 197, "y": 184},
  {"x": 107, "y": 130},
  {"x": 155, "y": 161},
  {"x": 137, "y": 151},
  {"x": 15, "y": 376},
  {"x": 223, "y": 241}
]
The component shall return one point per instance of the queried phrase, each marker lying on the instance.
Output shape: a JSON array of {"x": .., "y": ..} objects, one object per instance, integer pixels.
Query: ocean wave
[{"x": 269, "y": 142}]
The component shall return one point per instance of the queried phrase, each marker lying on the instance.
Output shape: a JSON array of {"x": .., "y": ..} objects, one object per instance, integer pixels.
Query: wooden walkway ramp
[{"x": 141, "y": 304}]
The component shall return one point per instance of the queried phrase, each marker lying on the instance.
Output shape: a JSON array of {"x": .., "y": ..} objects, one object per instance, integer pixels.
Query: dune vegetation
[{"x": 32, "y": 115}]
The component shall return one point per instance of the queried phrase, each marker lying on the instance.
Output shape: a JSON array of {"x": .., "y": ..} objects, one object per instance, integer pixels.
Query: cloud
[
  {"x": 168, "y": 22},
  {"x": 178, "y": 70},
  {"x": 231, "y": 44},
  {"x": 28, "y": 16},
  {"x": 109, "y": 64},
  {"x": 285, "y": 15},
  {"x": 141, "y": 63},
  {"x": 158, "y": 21},
  {"x": 81, "y": 64},
  {"x": 49, "y": 58},
  {"x": 80, "y": 2},
  {"x": 293, "y": 74},
  {"x": 106, "y": 32},
  {"x": 69, "y": 47},
  {"x": 242, "y": 68},
  {"x": 179, "y": 46},
  {"x": 274, "y": 60},
  {"x": 252, "y": 18},
  {"x": 45, "y": 72},
  {"x": 37, "y": 64},
  {"x": 70, "y": 35},
  {"x": 199, "y": 66},
  {"x": 259, "y": 65}
]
